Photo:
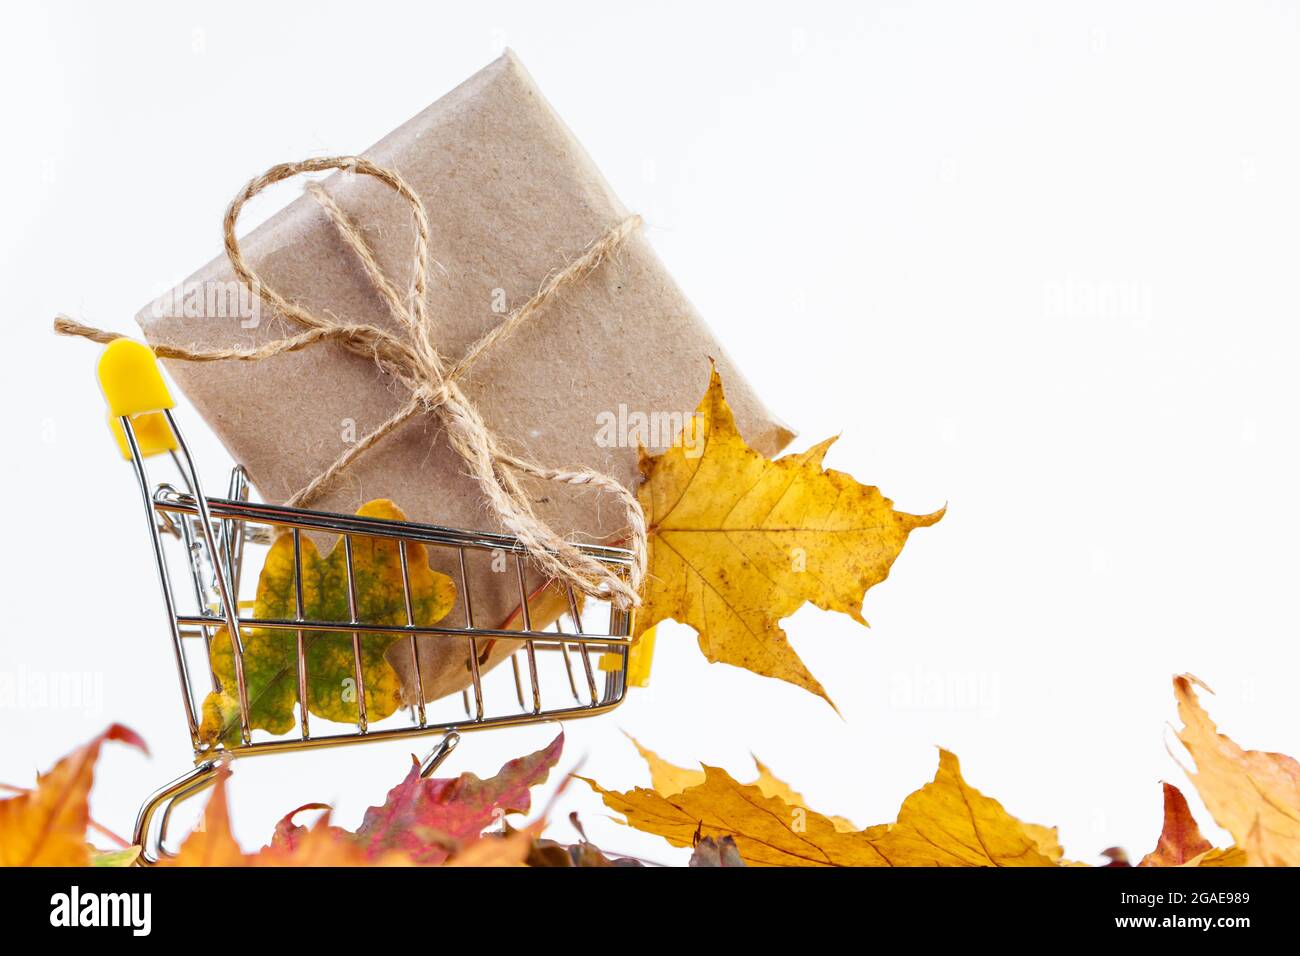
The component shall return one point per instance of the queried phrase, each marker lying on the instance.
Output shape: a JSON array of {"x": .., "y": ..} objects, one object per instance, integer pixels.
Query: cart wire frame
[{"x": 213, "y": 532}]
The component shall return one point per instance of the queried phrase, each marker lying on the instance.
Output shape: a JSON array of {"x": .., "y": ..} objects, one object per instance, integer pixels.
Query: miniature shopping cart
[{"x": 208, "y": 537}]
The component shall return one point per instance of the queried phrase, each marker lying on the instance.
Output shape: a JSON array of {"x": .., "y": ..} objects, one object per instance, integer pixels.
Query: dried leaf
[
  {"x": 1180, "y": 838},
  {"x": 1181, "y": 842},
  {"x": 270, "y": 655},
  {"x": 669, "y": 779},
  {"x": 945, "y": 823},
  {"x": 584, "y": 853},
  {"x": 1048, "y": 842},
  {"x": 1252, "y": 794},
  {"x": 46, "y": 826},
  {"x": 768, "y": 831},
  {"x": 950, "y": 823},
  {"x": 1221, "y": 856},
  {"x": 738, "y": 542},
  {"x": 710, "y": 852},
  {"x": 665, "y": 777},
  {"x": 424, "y": 818},
  {"x": 549, "y": 853}
]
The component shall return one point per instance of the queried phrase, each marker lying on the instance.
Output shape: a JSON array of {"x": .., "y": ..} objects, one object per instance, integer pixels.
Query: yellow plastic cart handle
[
  {"x": 639, "y": 658},
  {"x": 134, "y": 386},
  {"x": 152, "y": 434},
  {"x": 131, "y": 379}
]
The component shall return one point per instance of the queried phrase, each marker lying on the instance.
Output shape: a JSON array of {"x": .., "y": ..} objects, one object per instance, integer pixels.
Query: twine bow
[{"x": 414, "y": 360}]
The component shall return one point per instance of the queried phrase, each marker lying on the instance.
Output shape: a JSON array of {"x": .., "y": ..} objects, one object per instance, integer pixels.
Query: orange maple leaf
[
  {"x": 46, "y": 826},
  {"x": 1252, "y": 794}
]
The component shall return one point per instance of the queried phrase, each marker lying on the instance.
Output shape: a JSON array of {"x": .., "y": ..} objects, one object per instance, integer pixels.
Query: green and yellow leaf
[
  {"x": 270, "y": 655},
  {"x": 114, "y": 858}
]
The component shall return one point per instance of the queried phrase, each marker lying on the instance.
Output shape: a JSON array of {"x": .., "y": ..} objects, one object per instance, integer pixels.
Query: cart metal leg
[
  {"x": 169, "y": 796},
  {"x": 165, "y": 798},
  {"x": 438, "y": 754}
]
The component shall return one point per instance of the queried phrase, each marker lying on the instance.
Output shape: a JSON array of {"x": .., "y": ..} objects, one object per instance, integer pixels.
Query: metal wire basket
[{"x": 209, "y": 538}]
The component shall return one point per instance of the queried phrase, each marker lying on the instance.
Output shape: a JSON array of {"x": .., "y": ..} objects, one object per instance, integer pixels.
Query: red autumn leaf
[
  {"x": 1181, "y": 839},
  {"x": 289, "y": 834},
  {"x": 46, "y": 826},
  {"x": 213, "y": 843},
  {"x": 321, "y": 845},
  {"x": 428, "y": 818},
  {"x": 423, "y": 822}
]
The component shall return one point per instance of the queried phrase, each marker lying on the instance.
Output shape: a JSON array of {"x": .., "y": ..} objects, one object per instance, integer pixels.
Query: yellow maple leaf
[
  {"x": 950, "y": 823},
  {"x": 1221, "y": 856},
  {"x": 270, "y": 654},
  {"x": 46, "y": 826},
  {"x": 945, "y": 823},
  {"x": 1048, "y": 842},
  {"x": 668, "y": 779},
  {"x": 1253, "y": 795},
  {"x": 737, "y": 542}
]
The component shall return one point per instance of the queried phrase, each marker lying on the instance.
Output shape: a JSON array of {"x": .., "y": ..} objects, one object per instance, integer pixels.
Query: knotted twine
[{"x": 434, "y": 383}]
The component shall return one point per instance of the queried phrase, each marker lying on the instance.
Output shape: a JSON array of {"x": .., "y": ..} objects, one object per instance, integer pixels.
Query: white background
[{"x": 1033, "y": 260}]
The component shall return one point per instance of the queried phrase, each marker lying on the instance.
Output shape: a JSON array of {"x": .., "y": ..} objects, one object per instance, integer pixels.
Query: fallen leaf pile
[
  {"x": 1255, "y": 796},
  {"x": 460, "y": 821},
  {"x": 945, "y": 823},
  {"x": 321, "y": 844}
]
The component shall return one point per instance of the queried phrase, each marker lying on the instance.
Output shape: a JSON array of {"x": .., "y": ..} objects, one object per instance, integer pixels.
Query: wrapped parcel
[{"x": 620, "y": 358}]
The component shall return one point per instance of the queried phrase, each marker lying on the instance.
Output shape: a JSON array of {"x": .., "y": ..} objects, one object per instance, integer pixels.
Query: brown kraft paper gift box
[{"x": 512, "y": 197}]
